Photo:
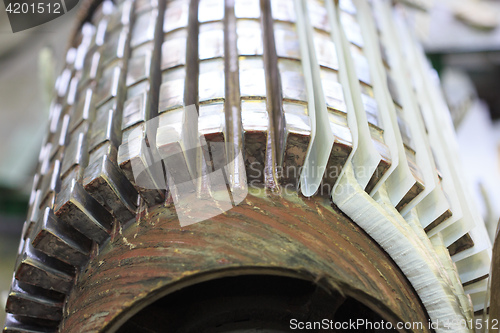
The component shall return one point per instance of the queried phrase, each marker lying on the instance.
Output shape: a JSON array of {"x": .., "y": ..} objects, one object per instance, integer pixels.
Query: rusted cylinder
[
  {"x": 305, "y": 239},
  {"x": 105, "y": 248}
]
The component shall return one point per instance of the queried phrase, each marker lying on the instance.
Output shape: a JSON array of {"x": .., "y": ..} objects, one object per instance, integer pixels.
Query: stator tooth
[
  {"x": 211, "y": 40},
  {"x": 172, "y": 89},
  {"x": 120, "y": 17},
  {"x": 171, "y": 149},
  {"x": 29, "y": 301},
  {"x": 134, "y": 109},
  {"x": 54, "y": 117},
  {"x": 352, "y": 29},
  {"x": 50, "y": 185},
  {"x": 106, "y": 149},
  {"x": 211, "y": 125},
  {"x": 145, "y": 5},
  {"x": 139, "y": 64},
  {"x": 109, "y": 84},
  {"x": 23, "y": 324},
  {"x": 255, "y": 122},
  {"x": 410, "y": 153},
  {"x": 372, "y": 114},
  {"x": 325, "y": 51},
  {"x": 212, "y": 81},
  {"x": 287, "y": 40},
  {"x": 211, "y": 10},
  {"x": 27, "y": 228},
  {"x": 59, "y": 139},
  {"x": 176, "y": 15},
  {"x": 59, "y": 240},
  {"x": 144, "y": 28},
  {"x": 76, "y": 153},
  {"x": 463, "y": 243},
  {"x": 250, "y": 41},
  {"x": 79, "y": 209},
  {"x": 408, "y": 144},
  {"x": 283, "y": 10},
  {"x": 90, "y": 69},
  {"x": 105, "y": 127},
  {"x": 35, "y": 268},
  {"x": 114, "y": 47},
  {"x": 318, "y": 15},
  {"x": 136, "y": 162},
  {"x": 247, "y": 9},
  {"x": 34, "y": 209},
  {"x": 296, "y": 113},
  {"x": 82, "y": 111},
  {"x": 105, "y": 183},
  {"x": 174, "y": 49},
  {"x": 254, "y": 116},
  {"x": 297, "y": 139}
]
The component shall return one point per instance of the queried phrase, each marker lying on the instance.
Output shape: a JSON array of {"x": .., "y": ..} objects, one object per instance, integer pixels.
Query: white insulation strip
[{"x": 409, "y": 253}]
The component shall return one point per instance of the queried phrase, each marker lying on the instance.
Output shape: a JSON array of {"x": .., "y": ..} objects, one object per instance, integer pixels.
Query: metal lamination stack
[{"x": 285, "y": 95}]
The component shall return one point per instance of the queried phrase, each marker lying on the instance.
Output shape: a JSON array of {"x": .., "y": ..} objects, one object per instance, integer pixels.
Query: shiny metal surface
[{"x": 121, "y": 112}]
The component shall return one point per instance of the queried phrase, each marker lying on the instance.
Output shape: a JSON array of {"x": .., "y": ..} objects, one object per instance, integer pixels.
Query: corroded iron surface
[
  {"x": 100, "y": 241},
  {"x": 264, "y": 235}
]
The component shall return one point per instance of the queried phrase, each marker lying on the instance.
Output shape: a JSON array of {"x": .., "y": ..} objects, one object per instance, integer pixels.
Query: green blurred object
[
  {"x": 13, "y": 203},
  {"x": 436, "y": 60}
]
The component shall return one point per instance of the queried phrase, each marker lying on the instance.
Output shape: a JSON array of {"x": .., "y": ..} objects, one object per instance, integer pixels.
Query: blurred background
[{"x": 461, "y": 38}]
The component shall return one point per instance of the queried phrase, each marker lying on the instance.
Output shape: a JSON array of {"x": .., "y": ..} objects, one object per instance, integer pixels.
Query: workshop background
[{"x": 461, "y": 38}]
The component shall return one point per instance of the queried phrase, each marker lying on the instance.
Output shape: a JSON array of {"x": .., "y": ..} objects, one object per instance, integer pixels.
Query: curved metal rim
[{"x": 192, "y": 280}]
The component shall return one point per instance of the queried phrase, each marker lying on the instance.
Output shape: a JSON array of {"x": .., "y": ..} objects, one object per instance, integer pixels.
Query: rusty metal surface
[
  {"x": 132, "y": 72},
  {"x": 266, "y": 234}
]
